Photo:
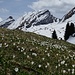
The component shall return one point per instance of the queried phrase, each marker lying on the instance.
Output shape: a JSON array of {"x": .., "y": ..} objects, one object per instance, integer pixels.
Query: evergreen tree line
[{"x": 69, "y": 30}]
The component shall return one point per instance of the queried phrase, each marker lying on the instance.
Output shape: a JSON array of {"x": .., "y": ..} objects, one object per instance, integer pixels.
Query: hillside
[{"x": 24, "y": 53}]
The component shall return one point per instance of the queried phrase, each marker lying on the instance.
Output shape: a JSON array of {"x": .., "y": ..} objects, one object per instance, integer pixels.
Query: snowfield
[
  {"x": 71, "y": 40},
  {"x": 48, "y": 29},
  {"x": 45, "y": 29}
]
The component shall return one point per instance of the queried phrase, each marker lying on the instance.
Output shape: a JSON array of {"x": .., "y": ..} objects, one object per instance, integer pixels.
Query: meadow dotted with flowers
[{"x": 24, "y": 53}]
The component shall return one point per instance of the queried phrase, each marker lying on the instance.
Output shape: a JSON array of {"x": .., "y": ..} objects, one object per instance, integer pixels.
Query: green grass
[{"x": 32, "y": 54}]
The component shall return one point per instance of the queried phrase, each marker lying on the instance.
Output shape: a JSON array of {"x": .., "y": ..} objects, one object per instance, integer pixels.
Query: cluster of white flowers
[
  {"x": 5, "y": 44},
  {"x": 49, "y": 46},
  {"x": 48, "y": 54},
  {"x": 73, "y": 71},
  {"x": 73, "y": 65},
  {"x": 56, "y": 67},
  {"x": 27, "y": 56},
  {"x": 0, "y": 44},
  {"x": 46, "y": 66},
  {"x": 45, "y": 51},
  {"x": 68, "y": 70},
  {"x": 16, "y": 69},
  {"x": 62, "y": 62},
  {"x": 14, "y": 44},
  {"x": 34, "y": 54},
  {"x": 13, "y": 56},
  {"x": 24, "y": 53},
  {"x": 39, "y": 66},
  {"x": 43, "y": 43},
  {"x": 43, "y": 58},
  {"x": 64, "y": 71},
  {"x": 22, "y": 49},
  {"x": 59, "y": 65},
  {"x": 32, "y": 62},
  {"x": 58, "y": 46}
]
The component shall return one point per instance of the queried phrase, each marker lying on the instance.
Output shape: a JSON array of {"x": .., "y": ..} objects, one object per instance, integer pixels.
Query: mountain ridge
[
  {"x": 34, "y": 19},
  {"x": 5, "y": 23},
  {"x": 44, "y": 23},
  {"x": 69, "y": 14}
]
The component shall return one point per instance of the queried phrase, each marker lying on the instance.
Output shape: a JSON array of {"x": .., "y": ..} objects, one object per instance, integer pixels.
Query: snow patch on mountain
[
  {"x": 71, "y": 19},
  {"x": 71, "y": 40},
  {"x": 18, "y": 22},
  {"x": 47, "y": 30},
  {"x": 70, "y": 16}
]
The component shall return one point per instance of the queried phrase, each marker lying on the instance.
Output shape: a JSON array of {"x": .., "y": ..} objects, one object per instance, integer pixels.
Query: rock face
[
  {"x": 69, "y": 31},
  {"x": 7, "y": 22},
  {"x": 42, "y": 17},
  {"x": 69, "y": 14},
  {"x": 34, "y": 19}
]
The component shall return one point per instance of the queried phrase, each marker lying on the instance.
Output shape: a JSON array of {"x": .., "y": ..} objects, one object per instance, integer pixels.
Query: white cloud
[
  {"x": 3, "y": 10},
  {"x": 50, "y": 3},
  {"x": 69, "y": 1},
  {"x": 0, "y": 19},
  {"x": 45, "y": 3},
  {"x": 60, "y": 6}
]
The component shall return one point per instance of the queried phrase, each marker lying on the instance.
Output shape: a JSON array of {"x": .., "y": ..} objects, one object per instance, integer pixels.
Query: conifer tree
[
  {"x": 69, "y": 30},
  {"x": 66, "y": 36},
  {"x": 54, "y": 35}
]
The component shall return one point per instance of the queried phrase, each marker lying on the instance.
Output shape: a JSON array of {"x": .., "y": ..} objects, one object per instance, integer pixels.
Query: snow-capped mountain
[
  {"x": 44, "y": 23},
  {"x": 34, "y": 19},
  {"x": 69, "y": 16},
  {"x": 7, "y": 22}
]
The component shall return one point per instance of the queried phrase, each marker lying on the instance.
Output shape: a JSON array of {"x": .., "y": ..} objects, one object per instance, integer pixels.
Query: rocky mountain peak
[
  {"x": 42, "y": 17},
  {"x": 5, "y": 23},
  {"x": 69, "y": 14},
  {"x": 10, "y": 17}
]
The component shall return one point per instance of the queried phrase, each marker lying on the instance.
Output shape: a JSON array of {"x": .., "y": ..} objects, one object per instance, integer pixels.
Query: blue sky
[{"x": 17, "y": 8}]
